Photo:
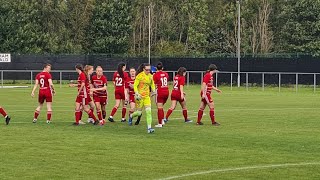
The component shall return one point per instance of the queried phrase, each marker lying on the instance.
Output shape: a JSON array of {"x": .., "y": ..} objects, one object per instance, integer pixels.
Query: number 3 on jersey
[
  {"x": 118, "y": 81},
  {"x": 42, "y": 82},
  {"x": 175, "y": 84},
  {"x": 164, "y": 82}
]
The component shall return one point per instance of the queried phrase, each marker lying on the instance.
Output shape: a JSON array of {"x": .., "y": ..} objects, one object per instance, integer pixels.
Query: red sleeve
[
  {"x": 182, "y": 80},
  {"x": 114, "y": 76},
  {"x": 206, "y": 79},
  {"x": 167, "y": 75},
  {"x": 37, "y": 77},
  {"x": 126, "y": 79},
  {"x": 155, "y": 77},
  {"x": 82, "y": 77},
  {"x": 49, "y": 76},
  {"x": 105, "y": 80}
]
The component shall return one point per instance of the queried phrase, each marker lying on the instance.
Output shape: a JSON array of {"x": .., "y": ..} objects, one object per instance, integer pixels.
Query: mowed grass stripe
[{"x": 258, "y": 127}]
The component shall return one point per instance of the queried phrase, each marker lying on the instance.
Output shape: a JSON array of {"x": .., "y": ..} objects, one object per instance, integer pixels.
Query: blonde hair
[
  {"x": 98, "y": 67},
  {"x": 86, "y": 70}
]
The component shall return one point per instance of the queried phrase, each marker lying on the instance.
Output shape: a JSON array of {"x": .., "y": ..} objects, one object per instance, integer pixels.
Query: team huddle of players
[{"x": 134, "y": 89}]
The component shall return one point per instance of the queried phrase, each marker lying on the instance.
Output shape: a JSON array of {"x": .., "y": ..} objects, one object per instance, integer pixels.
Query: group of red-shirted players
[
  {"x": 178, "y": 95},
  {"x": 96, "y": 87}
]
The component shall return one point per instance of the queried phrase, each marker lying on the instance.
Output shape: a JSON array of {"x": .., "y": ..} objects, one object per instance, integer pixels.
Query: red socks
[
  {"x": 3, "y": 112},
  {"x": 114, "y": 110},
  {"x": 99, "y": 115},
  {"x": 78, "y": 116},
  {"x": 185, "y": 114},
  {"x": 36, "y": 114},
  {"x": 200, "y": 114},
  {"x": 91, "y": 115},
  {"x": 49, "y": 113},
  {"x": 124, "y": 111},
  {"x": 92, "y": 109},
  {"x": 169, "y": 113},
  {"x": 160, "y": 115},
  {"x": 212, "y": 115}
]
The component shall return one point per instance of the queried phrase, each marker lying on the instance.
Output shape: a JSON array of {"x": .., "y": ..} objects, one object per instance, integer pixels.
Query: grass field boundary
[
  {"x": 178, "y": 110},
  {"x": 242, "y": 169}
]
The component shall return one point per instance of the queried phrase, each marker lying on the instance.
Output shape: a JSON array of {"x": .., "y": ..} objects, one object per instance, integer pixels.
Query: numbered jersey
[
  {"x": 99, "y": 82},
  {"x": 177, "y": 82},
  {"x": 43, "y": 79},
  {"x": 120, "y": 82},
  {"x": 161, "y": 79}
]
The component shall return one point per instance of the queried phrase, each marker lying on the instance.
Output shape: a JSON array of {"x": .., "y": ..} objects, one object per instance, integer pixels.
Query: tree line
[{"x": 179, "y": 27}]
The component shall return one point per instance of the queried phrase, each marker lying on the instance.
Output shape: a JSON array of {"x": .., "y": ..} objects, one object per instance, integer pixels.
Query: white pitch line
[{"x": 242, "y": 168}]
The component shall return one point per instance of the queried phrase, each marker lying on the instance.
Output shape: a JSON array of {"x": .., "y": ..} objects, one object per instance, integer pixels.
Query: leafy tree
[
  {"x": 110, "y": 27},
  {"x": 299, "y": 26}
]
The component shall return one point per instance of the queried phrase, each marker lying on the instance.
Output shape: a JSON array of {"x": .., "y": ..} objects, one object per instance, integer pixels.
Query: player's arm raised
[
  {"x": 51, "y": 86},
  {"x": 35, "y": 87}
]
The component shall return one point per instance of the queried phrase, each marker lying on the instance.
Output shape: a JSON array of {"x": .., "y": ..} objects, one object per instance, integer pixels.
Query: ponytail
[
  {"x": 119, "y": 69},
  {"x": 141, "y": 67},
  {"x": 181, "y": 70},
  {"x": 79, "y": 67},
  {"x": 86, "y": 70}
]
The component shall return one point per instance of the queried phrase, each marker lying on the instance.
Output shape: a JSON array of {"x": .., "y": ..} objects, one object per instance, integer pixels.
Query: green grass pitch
[{"x": 265, "y": 135}]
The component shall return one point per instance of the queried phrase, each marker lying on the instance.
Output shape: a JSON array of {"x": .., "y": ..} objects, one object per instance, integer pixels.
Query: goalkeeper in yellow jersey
[{"x": 142, "y": 85}]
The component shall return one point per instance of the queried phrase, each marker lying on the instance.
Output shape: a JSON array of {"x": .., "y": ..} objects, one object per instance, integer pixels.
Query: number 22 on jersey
[{"x": 119, "y": 81}]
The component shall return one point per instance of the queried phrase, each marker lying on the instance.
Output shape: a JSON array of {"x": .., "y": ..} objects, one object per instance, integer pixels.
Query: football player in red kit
[
  {"x": 91, "y": 104},
  {"x": 83, "y": 98},
  {"x": 178, "y": 95},
  {"x": 206, "y": 88},
  {"x": 161, "y": 79},
  {"x": 99, "y": 82},
  {"x": 5, "y": 115},
  {"x": 131, "y": 93},
  {"x": 46, "y": 90},
  {"x": 120, "y": 78}
]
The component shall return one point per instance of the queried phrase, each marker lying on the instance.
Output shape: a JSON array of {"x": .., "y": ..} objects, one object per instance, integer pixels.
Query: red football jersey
[
  {"x": 177, "y": 82},
  {"x": 120, "y": 83},
  {"x": 99, "y": 82},
  {"x": 129, "y": 85},
  {"x": 161, "y": 79},
  {"x": 83, "y": 79},
  {"x": 43, "y": 78},
  {"x": 208, "y": 80}
]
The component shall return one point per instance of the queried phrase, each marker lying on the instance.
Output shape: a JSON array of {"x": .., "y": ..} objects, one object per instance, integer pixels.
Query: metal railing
[{"x": 248, "y": 79}]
